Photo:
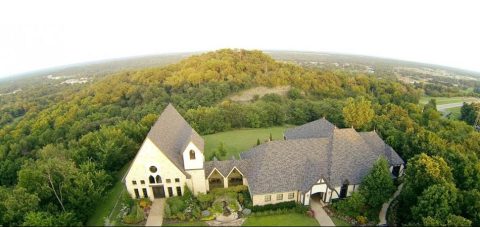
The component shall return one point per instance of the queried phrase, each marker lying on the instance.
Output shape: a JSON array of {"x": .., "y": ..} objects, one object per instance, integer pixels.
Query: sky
[{"x": 41, "y": 34}]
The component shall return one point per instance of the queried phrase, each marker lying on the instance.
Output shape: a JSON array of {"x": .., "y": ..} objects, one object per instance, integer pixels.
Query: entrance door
[{"x": 158, "y": 192}]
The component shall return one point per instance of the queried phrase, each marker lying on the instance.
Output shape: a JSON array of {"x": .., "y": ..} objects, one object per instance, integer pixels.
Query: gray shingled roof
[
  {"x": 297, "y": 164},
  {"x": 350, "y": 157},
  {"x": 320, "y": 128},
  {"x": 171, "y": 134},
  {"x": 381, "y": 147},
  {"x": 279, "y": 166}
]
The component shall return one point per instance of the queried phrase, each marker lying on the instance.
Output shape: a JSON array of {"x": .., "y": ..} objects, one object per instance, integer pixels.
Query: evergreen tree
[{"x": 377, "y": 186}]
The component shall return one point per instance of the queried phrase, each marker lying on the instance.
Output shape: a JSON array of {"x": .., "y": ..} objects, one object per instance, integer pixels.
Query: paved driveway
[
  {"x": 155, "y": 218},
  {"x": 320, "y": 214}
]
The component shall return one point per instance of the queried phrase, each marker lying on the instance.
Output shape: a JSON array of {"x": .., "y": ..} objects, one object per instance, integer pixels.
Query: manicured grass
[
  {"x": 293, "y": 219},
  {"x": 340, "y": 222},
  {"x": 446, "y": 100},
  {"x": 237, "y": 141},
  {"x": 455, "y": 113},
  {"x": 193, "y": 223},
  {"x": 104, "y": 207}
]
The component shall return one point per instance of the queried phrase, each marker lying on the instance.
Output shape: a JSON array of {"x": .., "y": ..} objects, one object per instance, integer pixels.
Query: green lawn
[
  {"x": 292, "y": 219},
  {"x": 340, "y": 222},
  {"x": 105, "y": 206},
  {"x": 237, "y": 141},
  {"x": 455, "y": 113},
  {"x": 193, "y": 223}
]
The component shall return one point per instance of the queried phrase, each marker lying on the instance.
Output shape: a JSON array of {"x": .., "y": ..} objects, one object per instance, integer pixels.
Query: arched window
[
  {"x": 151, "y": 179},
  {"x": 158, "y": 179},
  {"x": 192, "y": 155}
]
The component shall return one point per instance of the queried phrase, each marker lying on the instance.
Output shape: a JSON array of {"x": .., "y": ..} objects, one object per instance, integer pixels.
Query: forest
[{"x": 60, "y": 146}]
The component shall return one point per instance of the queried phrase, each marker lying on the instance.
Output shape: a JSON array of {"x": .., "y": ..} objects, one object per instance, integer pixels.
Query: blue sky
[{"x": 41, "y": 34}]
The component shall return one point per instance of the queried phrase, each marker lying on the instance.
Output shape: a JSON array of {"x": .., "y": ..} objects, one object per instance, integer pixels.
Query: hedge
[{"x": 276, "y": 206}]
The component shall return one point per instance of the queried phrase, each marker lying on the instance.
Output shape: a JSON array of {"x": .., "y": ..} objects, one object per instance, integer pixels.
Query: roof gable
[
  {"x": 172, "y": 134},
  {"x": 320, "y": 128}
]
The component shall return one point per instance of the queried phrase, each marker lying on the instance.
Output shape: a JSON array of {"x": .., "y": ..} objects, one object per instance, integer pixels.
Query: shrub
[
  {"x": 216, "y": 208},
  {"x": 181, "y": 216},
  {"x": 233, "y": 205},
  {"x": 145, "y": 202},
  {"x": 168, "y": 211},
  {"x": 177, "y": 204},
  {"x": 223, "y": 191},
  {"x": 240, "y": 198},
  {"x": 135, "y": 216},
  {"x": 362, "y": 220},
  {"x": 352, "y": 206},
  {"x": 300, "y": 208},
  {"x": 205, "y": 200}
]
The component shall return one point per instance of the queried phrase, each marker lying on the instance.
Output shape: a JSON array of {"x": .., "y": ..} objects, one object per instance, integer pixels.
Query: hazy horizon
[
  {"x": 52, "y": 34},
  {"x": 99, "y": 61}
]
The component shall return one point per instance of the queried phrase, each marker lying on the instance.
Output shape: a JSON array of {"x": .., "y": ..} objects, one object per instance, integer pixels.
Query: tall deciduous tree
[{"x": 358, "y": 112}]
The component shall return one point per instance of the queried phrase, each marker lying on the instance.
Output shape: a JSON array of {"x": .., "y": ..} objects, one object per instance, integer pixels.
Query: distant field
[
  {"x": 237, "y": 141},
  {"x": 446, "y": 100}
]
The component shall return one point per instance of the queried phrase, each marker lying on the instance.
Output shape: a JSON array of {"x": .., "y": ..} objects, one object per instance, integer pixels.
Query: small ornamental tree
[
  {"x": 377, "y": 186},
  {"x": 221, "y": 150}
]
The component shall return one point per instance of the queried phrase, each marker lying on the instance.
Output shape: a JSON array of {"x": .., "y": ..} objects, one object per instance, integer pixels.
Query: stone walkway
[
  {"x": 237, "y": 222},
  {"x": 155, "y": 218},
  {"x": 320, "y": 214},
  {"x": 383, "y": 212}
]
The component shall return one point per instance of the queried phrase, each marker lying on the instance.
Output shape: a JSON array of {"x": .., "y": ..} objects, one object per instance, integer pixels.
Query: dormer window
[{"x": 192, "y": 155}]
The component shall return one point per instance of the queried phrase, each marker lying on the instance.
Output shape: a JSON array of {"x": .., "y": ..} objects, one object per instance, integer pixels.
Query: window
[
  {"x": 142, "y": 182},
  {"x": 145, "y": 194},
  {"x": 268, "y": 198},
  {"x": 291, "y": 195},
  {"x": 134, "y": 182},
  {"x": 153, "y": 169},
  {"x": 158, "y": 179},
  {"x": 179, "y": 191},
  {"x": 177, "y": 180},
  {"x": 170, "y": 191},
  {"x": 279, "y": 196},
  {"x": 169, "y": 181},
  {"x": 192, "y": 155},
  {"x": 137, "y": 195},
  {"x": 151, "y": 179}
]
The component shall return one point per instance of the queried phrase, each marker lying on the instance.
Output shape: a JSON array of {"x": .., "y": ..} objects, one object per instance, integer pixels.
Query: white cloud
[{"x": 38, "y": 34}]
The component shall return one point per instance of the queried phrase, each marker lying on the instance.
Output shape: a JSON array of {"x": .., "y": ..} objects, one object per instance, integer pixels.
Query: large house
[{"x": 314, "y": 158}]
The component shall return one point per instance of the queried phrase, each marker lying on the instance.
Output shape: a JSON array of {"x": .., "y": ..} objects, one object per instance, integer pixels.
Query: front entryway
[
  {"x": 316, "y": 204},
  {"x": 158, "y": 192}
]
